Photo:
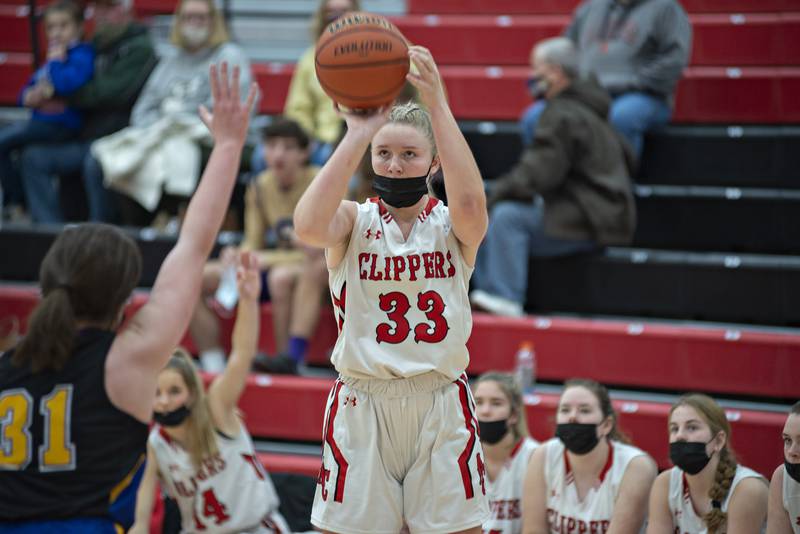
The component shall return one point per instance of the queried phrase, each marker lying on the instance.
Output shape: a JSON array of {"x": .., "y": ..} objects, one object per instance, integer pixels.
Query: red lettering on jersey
[
  {"x": 439, "y": 259},
  {"x": 213, "y": 508},
  {"x": 414, "y": 261},
  {"x": 399, "y": 267},
  {"x": 372, "y": 274},
  {"x": 432, "y": 304},
  {"x": 427, "y": 260},
  {"x": 396, "y": 305},
  {"x": 363, "y": 258},
  {"x": 481, "y": 472},
  {"x": 387, "y": 265},
  {"x": 515, "y": 511},
  {"x": 322, "y": 480},
  {"x": 451, "y": 271}
]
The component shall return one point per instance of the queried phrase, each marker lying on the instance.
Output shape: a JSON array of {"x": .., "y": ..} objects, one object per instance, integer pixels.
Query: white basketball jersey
[
  {"x": 565, "y": 512},
  {"x": 684, "y": 518},
  {"x": 791, "y": 500},
  {"x": 229, "y": 492},
  {"x": 401, "y": 305},
  {"x": 505, "y": 492}
]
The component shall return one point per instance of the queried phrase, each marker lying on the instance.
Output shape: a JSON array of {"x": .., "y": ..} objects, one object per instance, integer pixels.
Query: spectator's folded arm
[{"x": 68, "y": 76}]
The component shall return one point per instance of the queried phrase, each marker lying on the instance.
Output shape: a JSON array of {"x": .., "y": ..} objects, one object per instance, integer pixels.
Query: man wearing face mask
[
  {"x": 638, "y": 50},
  {"x": 570, "y": 192},
  {"x": 124, "y": 59}
]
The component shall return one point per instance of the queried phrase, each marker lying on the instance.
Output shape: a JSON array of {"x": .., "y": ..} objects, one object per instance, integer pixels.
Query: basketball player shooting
[{"x": 400, "y": 422}]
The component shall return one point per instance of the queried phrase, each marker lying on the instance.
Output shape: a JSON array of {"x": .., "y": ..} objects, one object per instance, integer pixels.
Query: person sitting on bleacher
[
  {"x": 638, "y": 50},
  {"x": 707, "y": 491},
  {"x": 588, "y": 478},
  {"x": 161, "y": 150},
  {"x": 570, "y": 192},
  {"x": 70, "y": 64},
  {"x": 783, "y": 511},
  {"x": 200, "y": 449},
  {"x": 296, "y": 275},
  {"x": 124, "y": 58}
]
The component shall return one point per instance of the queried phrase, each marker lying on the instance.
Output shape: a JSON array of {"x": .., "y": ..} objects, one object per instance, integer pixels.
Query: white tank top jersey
[
  {"x": 505, "y": 492},
  {"x": 684, "y": 518},
  {"x": 565, "y": 512},
  {"x": 230, "y": 492},
  {"x": 401, "y": 305},
  {"x": 791, "y": 500}
]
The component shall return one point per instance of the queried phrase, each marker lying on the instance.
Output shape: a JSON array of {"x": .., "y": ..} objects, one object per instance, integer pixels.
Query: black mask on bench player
[{"x": 401, "y": 192}]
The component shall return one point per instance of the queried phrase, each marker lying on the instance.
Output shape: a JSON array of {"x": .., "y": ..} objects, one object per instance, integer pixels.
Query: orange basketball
[{"x": 362, "y": 60}]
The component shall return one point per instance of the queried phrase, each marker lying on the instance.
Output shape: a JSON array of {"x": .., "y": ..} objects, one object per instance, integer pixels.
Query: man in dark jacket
[
  {"x": 571, "y": 190},
  {"x": 125, "y": 58},
  {"x": 638, "y": 50}
]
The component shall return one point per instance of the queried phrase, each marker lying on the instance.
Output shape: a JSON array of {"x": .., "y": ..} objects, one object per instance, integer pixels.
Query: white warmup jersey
[
  {"x": 684, "y": 517},
  {"x": 791, "y": 500},
  {"x": 230, "y": 492},
  {"x": 401, "y": 306},
  {"x": 505, "y": 492},
  {"x": 566, "y": 514}
]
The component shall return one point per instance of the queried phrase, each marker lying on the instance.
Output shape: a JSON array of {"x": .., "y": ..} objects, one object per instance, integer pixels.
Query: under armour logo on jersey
[
  {"x": 369, "y": 233},
  {"x": 350, "y": 400}
]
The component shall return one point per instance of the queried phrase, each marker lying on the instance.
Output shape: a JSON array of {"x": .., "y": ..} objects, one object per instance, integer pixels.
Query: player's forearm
[
  {"x": 318, "y": 205},
  {"x": 244, "y": 342}
]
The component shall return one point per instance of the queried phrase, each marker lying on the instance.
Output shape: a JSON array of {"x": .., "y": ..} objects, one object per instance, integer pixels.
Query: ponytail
[
  {"x": 51, "y": 333},
  {"x": 726, "y": 469}
]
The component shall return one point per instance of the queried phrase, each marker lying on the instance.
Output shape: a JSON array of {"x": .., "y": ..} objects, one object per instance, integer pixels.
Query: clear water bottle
[
  {"x": 526, "y": 367},
  {"x": 227, "y": 292}
]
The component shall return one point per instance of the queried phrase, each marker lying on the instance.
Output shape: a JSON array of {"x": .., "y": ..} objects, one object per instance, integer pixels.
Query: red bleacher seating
[
  {"x": 491, "y": 7},
  {"x": 15, "y": 69},
  {"x": 639, "y": 355},
  {"x": 16, "y": 36},
  {"x": 507, "y": 40},
  {"x": 154, "y": 7},
  {"x": 266, "y": 402}
]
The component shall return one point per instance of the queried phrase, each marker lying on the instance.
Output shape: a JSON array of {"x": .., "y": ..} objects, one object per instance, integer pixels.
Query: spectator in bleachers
[
  {"x": 783, "y": 516},
  {"x": 587, "y": 477},
  {"x": 306, "y": 102},
  {"x": 70, "y": 64},
  {"x": 161, "y": 149},
  {"x": 214, "y": 452},
  {"x": 638, "y": 50},
  {"x": 296, "y": 275},
  {"x": 707, "y": 490},
  {"x": 570, "y": 192},
  {"x": 507, "y": 448},
  {"x": 124, "y": 58}
]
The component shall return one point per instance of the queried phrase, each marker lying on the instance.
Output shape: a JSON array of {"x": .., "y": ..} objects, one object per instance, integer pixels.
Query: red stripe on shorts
[
  {"x": 463, "y": 459},
  {"x": 341, "y": 463}
]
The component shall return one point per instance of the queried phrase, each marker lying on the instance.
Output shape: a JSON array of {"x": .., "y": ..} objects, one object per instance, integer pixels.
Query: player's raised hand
[
  {"x": 248, "y": 277},
  {"x": 427, "y": 79},
  {"x": 367, "y": 121},
  {"x": 231, "y": 116}
]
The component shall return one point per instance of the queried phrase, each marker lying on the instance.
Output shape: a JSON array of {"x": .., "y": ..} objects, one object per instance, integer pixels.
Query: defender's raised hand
[{"x": 231, "y": 116}]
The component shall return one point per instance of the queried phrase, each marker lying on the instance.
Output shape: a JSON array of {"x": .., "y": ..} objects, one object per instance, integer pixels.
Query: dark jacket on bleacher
[
  {"x": 122, "y": 66},
  {"x": 580, "y": 166}
]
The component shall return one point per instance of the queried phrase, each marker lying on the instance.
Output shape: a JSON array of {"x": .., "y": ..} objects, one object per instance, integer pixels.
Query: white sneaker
[{"x": 495, "y": 305}]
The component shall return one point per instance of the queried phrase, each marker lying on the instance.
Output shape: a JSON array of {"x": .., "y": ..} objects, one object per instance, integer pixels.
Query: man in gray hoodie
[
  {"x": 637, "y": 49},
  {"x": 570, "y": 192}
]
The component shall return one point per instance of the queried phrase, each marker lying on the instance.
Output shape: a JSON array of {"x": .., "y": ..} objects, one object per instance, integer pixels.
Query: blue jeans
[
  {"x": 516, "y": 232},
  {"x": 15, "y": 137},
  {"x": 42, "y": 165},
  {"x": 101, "y": 207},
  {"x": 631, "y": 114}
]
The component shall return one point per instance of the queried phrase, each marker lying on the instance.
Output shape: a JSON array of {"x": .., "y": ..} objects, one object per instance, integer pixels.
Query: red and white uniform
[
  {"x": 684, "y": 518},
  {"x": 401, "y": 305},
  {"x": 401, "y": 442},
  {"x": 230, "y": 492},
  {"x": 791, "y": 500},
  {"x": 505, "y": 492},
  {"x": 566, "y": 514}
]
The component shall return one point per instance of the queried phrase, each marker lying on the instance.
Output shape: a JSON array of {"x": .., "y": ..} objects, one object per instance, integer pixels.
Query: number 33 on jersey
[{"x": 401, "y": 304}]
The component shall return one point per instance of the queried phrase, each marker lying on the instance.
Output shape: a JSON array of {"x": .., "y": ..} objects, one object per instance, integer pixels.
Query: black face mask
[
  {"x": 689, "y": 456},
  {"x": 493, "y": 431},
  {"x": 173, "y": 418},
  {"x": 793, "y": 470},
  {"x": 401, "y": 192},
  {"x": 578, "y": 438}
]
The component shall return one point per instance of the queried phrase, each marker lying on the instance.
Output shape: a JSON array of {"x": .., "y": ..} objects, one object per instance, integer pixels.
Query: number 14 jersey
[{"x": 401, "y": 305}]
